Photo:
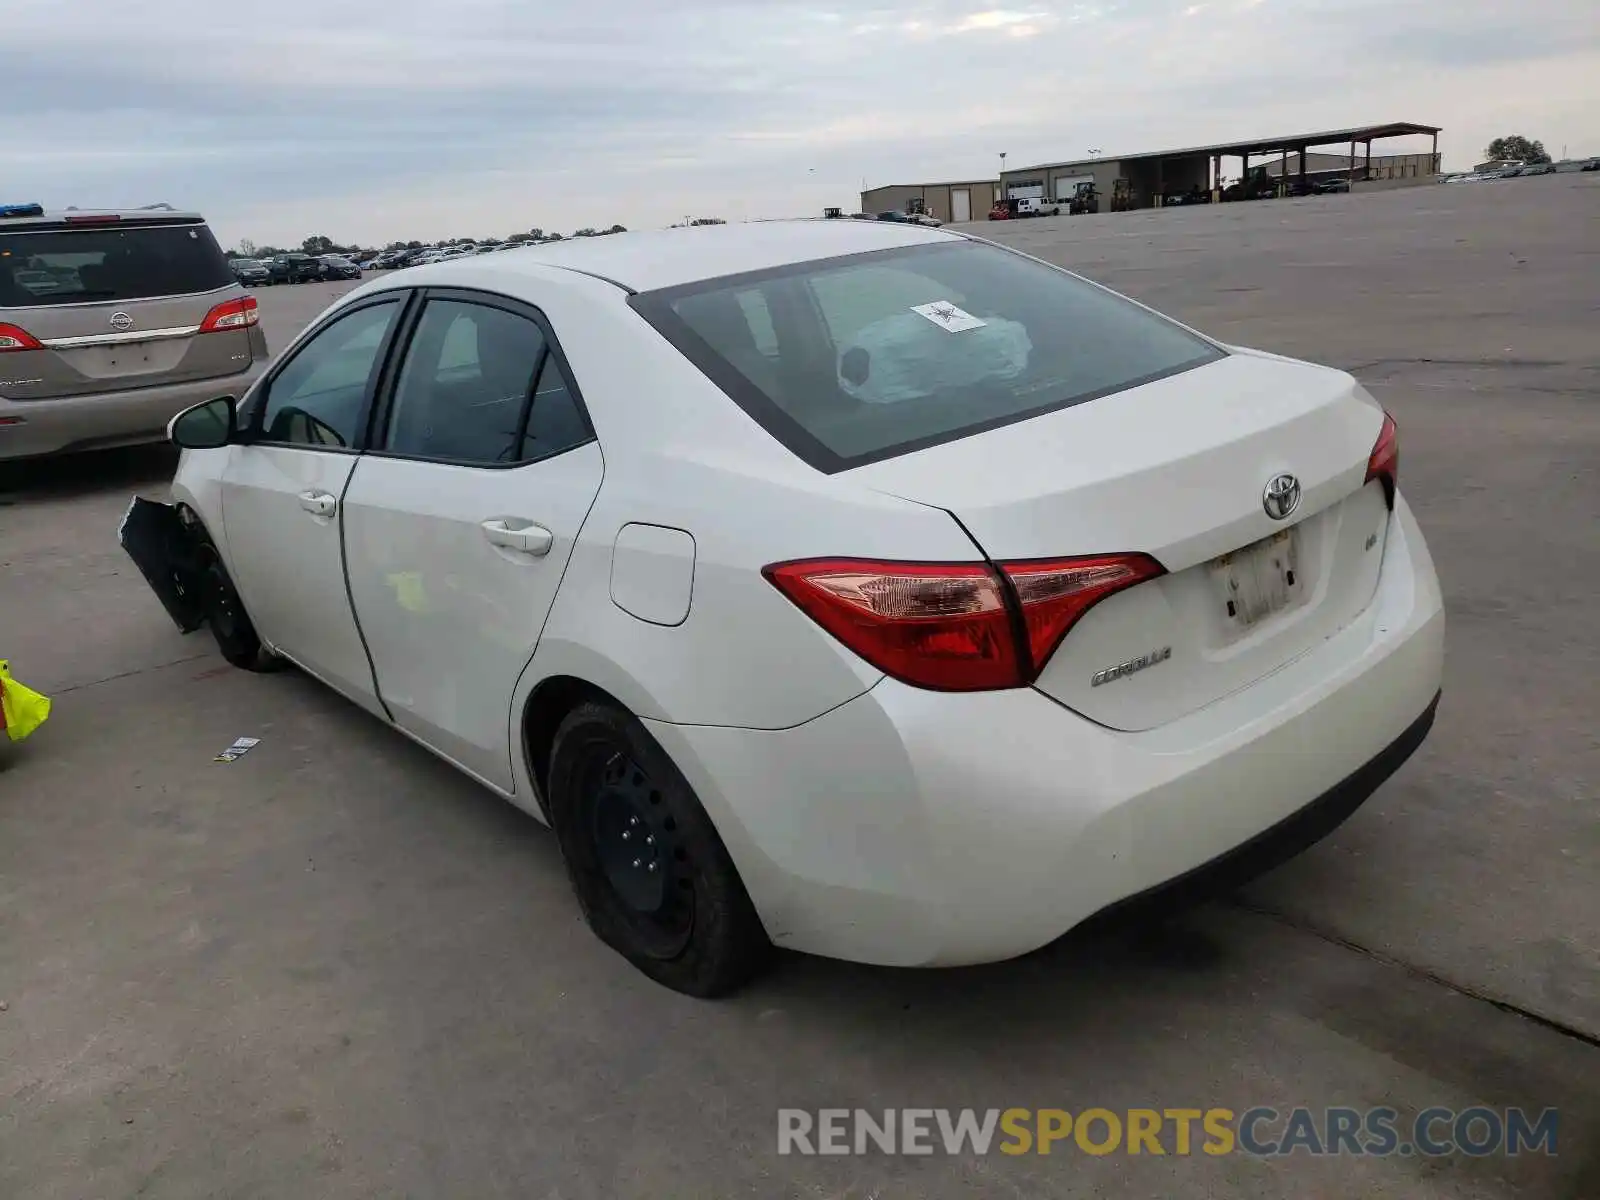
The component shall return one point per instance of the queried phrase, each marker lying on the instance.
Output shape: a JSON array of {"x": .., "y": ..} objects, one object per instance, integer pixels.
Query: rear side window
[
  {"x": 851, "y": 360},
  {"x": 480, "y": 386},
  {"x": 75, "y": 266}
]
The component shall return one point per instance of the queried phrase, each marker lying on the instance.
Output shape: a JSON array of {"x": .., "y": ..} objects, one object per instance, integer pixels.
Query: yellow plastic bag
[{"x": 22, "y": 710}]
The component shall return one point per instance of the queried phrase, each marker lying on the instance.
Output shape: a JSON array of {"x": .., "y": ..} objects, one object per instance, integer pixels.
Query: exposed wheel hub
[
  {"x": 631, "y": 842},
  {"x": 221, "y": 606}
]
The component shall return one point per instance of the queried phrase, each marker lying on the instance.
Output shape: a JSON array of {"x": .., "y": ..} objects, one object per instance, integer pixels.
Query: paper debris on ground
[{"x": 239, "y": 747}]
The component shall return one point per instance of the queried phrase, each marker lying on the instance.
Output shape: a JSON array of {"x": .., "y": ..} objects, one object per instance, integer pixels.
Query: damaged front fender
[{"x": 169, "y": 551}]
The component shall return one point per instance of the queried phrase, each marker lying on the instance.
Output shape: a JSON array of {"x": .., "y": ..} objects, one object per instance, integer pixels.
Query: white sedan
[{"x": 857, "y": 588}]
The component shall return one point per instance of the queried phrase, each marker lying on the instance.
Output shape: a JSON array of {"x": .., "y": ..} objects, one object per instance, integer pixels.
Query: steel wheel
[
  {"x": 654, "y": 878},
  {"x": 642, "y": 860}
]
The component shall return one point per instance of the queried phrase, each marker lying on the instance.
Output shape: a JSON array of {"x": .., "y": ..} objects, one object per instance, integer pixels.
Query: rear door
[
  {"x": 281, "y": 493},
  {"x": 459, "y": 522},
  {"x": 108, "y": 304}
]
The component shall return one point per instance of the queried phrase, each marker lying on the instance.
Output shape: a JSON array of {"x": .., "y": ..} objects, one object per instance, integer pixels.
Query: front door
[
  {"x": 960, "y": 204},
  {"x": 282, "y": 491},
  {"x": 459, "y": 522}
]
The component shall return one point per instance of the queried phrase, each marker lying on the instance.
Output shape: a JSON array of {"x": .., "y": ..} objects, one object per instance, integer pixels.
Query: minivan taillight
[
  {"x": 238, "y": 313},
  {"x": 1384, "y": 462},
  {"x": 956, "y": 627},
  {"x": 14, "y": 337}
]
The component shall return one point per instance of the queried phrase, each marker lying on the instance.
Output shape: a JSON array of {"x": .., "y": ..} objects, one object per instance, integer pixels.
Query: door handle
[
  {"x": 318, "y": 504},
  {"x": 529, "y": 539}
]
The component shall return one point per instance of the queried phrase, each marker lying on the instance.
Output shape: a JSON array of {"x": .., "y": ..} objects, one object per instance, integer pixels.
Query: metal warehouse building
[
  {"x": 964, "y": 200},
  {"x": 1149, "y": 179}
]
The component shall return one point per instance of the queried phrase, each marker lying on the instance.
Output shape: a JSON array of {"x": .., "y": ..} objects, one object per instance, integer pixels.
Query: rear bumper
[
  {"x": 126, "y": 418},
  {"x": 915, "y": 828},
  {"x": 1277, "y": 845}
]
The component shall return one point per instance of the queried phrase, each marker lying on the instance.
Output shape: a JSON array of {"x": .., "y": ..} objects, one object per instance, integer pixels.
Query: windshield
[
  {"x": 851, "y": 360},
  {"x": 71, "y": 266}
]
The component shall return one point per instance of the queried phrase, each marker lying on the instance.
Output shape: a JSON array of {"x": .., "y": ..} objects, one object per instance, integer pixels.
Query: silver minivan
[{"x": 112, "y": 323}]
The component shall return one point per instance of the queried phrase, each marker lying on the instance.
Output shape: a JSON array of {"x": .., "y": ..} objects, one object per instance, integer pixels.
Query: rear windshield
[
  {"x": 73, "y": 266},
  {"x": 851, "y": 360}
]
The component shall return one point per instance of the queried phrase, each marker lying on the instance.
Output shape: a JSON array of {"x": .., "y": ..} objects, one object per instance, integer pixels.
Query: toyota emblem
[
  {"x": 121, "y": 322},
  {"x": 1281, "y": 496}
]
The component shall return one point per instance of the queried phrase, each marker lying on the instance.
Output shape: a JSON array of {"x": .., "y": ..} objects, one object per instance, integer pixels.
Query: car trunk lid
[{"x": 1177, "y": 469}]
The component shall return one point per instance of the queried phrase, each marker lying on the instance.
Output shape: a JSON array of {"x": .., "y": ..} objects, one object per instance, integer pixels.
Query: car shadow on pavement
[{"x": 68, "y": 475}]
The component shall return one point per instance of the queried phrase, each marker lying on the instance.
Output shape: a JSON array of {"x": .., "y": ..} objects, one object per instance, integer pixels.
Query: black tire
[
  {"x": 671, "y": 901},
  {"x": 229, "y": 623}
]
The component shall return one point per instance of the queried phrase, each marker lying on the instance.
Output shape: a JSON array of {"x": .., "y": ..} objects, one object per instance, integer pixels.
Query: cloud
[{"x": 408, "y": 119}]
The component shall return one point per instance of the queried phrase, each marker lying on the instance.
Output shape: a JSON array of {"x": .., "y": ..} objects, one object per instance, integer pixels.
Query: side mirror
[{"x": 206, "y": 426}]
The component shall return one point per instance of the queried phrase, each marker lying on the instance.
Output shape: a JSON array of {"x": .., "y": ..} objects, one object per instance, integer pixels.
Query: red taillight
[
  {"x": 954, "y": 626},
  {"x": 239, "y": 313},
  {"x": 936, "y": 625},
  {"x": 14, "y": 337},
  {"x": 1384, "y": 462},
  {"x": 1055, "y": 594},
  {"x": 93, "y": 219}
]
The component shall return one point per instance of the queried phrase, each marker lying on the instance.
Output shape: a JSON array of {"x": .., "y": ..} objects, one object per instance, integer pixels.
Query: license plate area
[
  {"x": 127, "y": 358},
  {"x": 1254, "y": 582}
]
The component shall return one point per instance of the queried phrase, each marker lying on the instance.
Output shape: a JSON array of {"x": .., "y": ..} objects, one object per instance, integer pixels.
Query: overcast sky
[{"x": 367, "y": 120}]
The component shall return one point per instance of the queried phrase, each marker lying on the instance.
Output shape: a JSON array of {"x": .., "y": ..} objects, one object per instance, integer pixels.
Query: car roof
[
  {"x": 665, "y": 258},
  {"x": 60, "y": 217}
]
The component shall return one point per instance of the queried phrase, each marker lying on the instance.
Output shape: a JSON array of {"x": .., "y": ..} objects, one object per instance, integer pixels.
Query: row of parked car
[
  {"x": 293, "y": 268},
  {"x": 422, "y": 255},
  {"x": 1512, "y": 172}
]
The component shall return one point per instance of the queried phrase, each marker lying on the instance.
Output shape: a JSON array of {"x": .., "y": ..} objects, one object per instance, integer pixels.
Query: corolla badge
[
  {"x": 1281, "y": 496},
  {"x": 1132, "y": 667},
  {"x": 121, "y": 322}
]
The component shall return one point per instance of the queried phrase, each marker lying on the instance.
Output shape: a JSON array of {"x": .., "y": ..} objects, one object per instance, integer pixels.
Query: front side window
[
  {"x": 318, "y": 398},
  {"x": 480, "y": 386},
  {"x": 851, "y": 360}
]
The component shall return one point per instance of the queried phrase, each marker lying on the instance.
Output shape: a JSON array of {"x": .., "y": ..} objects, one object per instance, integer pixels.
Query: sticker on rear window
[{"x": 947, "y": 316}]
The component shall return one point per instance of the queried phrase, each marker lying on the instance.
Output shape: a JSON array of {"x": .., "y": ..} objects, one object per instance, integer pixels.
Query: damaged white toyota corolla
[{"x": 857, "y": 588}]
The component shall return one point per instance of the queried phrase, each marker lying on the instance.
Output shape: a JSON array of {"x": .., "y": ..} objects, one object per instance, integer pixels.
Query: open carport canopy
[
  {"x": 1276, "y": 145},
  {"x": 1326, "y": 137}
]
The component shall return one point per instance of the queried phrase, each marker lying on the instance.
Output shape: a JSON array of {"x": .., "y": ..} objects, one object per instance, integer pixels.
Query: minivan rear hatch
[{"x": 99, "y": 304}]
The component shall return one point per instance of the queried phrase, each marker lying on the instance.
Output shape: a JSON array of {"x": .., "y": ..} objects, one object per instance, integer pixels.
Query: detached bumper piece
[{"x": 167, "y": 554}]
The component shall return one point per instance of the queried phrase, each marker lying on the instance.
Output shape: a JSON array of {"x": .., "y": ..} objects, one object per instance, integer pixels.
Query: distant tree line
[{"x": 1516, "y": 148}]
